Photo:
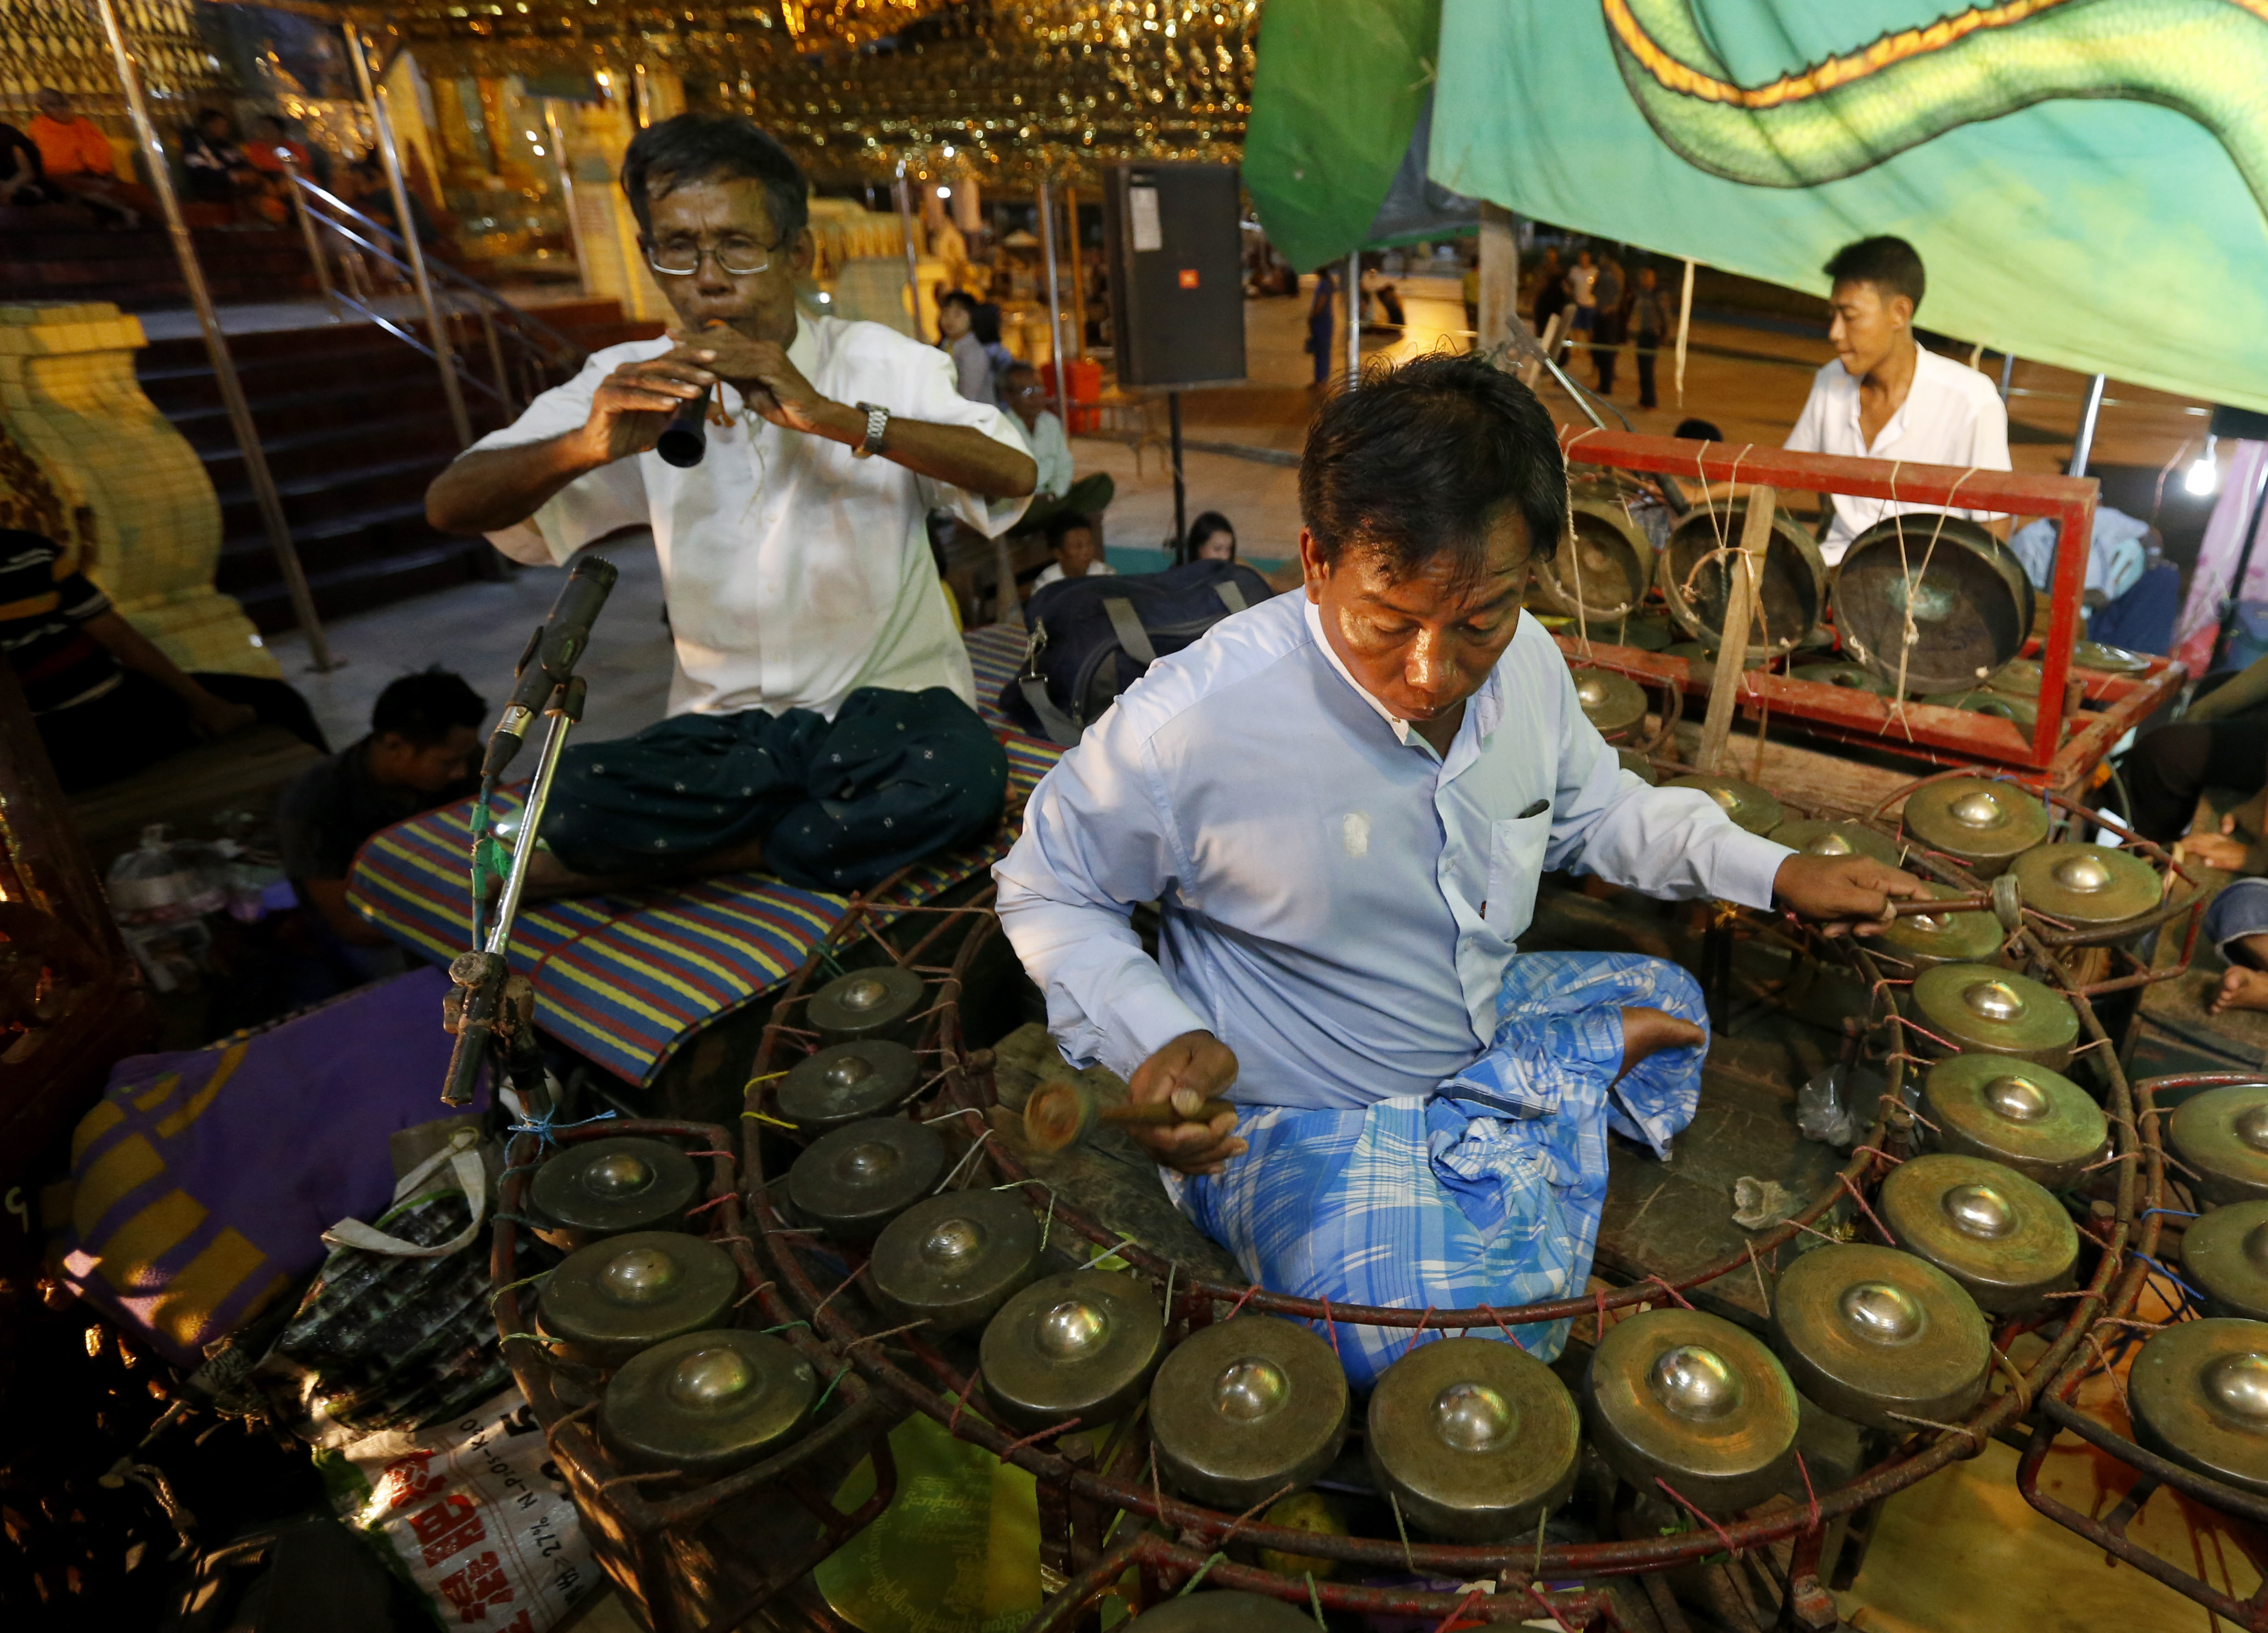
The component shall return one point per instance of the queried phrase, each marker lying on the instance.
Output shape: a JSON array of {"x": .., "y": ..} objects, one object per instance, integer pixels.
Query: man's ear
[
  {"x": 1313, "y": 569},
  {"x": 804, "y": 253}
]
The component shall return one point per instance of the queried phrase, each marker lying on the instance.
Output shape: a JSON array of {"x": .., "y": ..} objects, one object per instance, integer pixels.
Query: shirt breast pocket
[{"x": 1516, "y": 847}]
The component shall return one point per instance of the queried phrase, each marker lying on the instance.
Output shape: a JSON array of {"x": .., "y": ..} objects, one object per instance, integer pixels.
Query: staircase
[
  {"x": 49, "y": 255},
  {"x": 354, "y": 427}
]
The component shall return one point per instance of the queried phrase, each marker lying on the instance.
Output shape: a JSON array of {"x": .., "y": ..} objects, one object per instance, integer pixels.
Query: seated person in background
[
  {"x": 21, "y": 180},
  {"x": 1210, "y": 538},
  {"x": 1078, "y": 553},
  {"x": 2133, "y": 595},
  {"x": 1698, "y": 431},
  {"x": 108, "y": 703},
  {"x": 1057, "y": 490},
  {"x": 216, "y": 169},
  {"x": 275, "y": 155},
  {"x": 957, "y": 312},
  {"x": 1888, "y": 396},
  {"x": 422, "y": 751},
  {"x": 821, "y": 722},
  {"x": 2220, "y": 743},
  {"x": 75, "y": 156},
  {"x": 1343, "y": 802},
  {"x": 2236, "y": 923}
]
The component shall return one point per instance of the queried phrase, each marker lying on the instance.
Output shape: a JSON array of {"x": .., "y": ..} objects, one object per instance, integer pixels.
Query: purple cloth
[{"x": 204, "y": 1181}]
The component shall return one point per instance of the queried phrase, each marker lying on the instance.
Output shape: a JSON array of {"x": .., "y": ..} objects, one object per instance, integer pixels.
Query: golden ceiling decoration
[
  {"x": 1002, "y": 91},
  {"x": 60, "y": 43}
]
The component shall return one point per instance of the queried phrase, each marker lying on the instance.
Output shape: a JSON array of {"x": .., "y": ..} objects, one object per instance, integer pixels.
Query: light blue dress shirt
[{"x": 1339, "y": 903}]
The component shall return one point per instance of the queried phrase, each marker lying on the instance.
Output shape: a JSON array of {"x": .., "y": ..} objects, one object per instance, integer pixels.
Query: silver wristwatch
[{"x": 878, "y": 422}]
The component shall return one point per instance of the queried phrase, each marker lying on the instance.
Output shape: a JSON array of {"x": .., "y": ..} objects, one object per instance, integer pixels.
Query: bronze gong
[
  {"x": 1081, "y": 1345},
  {"x": 879, "y": 1002},
  {"x": 607, "y": 1302},
  {"x": 1871, "y": 1333},
  {"x": 2225, "y": 1256},
  {"x": 955, "y": 1259},
  {"x": 1922, "y": 940},
  {"x": 845, "y": 1081},
  {"x": 1604, "y": 570},
  {"x": 2199, "y": 1393},
  {"x": 2089, "y": 655},
  {"x": 1837, "y": 838},
  {"x": 1612, "y": 703},
  {"x": 1999, "y": 704},
  {"x": 1688, "y": 1398},
  {"x": 2019, "y": 677},
  {"x": 1748, "y": 806},
  {"x": 1971, "y": 601},
  {"x": 2038, "y": 1122},
  {"x": 604, "y": 1188},
  {"x": 1638, "y": 766},
  {"x": 1851, "y": 676},
  {"x": 2223, "y": 1136},
  {"x": 1645, "y": 634},
  {"x": 1703, "y": 655},
  {"x": 707, "y": 1403},
  {"x": 1977, "y": 821},
  {"x": 2089, "y": 884},
  {"x": 1997, "y": 1012},
  {"x": 1244, "y": 1407},
  {"x": 2001, "y": 1236},
  {"x": 852, "y": 1182},
  {"x": 1476, "y": 1440},
  {"x": 1790, "y": 590},
  {"x": 1222, "y": 1610}
]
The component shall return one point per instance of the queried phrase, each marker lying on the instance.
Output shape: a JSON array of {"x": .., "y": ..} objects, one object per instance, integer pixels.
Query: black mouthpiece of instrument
[{"x": 685, "y": 440}]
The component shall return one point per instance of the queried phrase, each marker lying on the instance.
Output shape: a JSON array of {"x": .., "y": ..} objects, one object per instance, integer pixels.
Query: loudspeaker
[{"x": 1171, "y": 240}]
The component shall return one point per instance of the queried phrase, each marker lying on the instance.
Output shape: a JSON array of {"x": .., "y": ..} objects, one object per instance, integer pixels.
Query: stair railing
[{"x": 527, "y": 356}]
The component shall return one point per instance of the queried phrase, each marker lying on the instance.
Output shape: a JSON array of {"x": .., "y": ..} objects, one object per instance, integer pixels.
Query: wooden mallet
[{"x": 1061, "y": 1114}]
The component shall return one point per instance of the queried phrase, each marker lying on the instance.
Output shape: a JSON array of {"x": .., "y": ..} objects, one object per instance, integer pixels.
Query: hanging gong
[
  {"x": 1867, "y": 1332},
  {"x": 1705, "y": 654},
  {"x": 845, "y": 1081},
  {"x": 1223, "y": 1610},
  {"x": 2001, "y": 1236},
  {"x": 2222, "y": 1134},
  {"x": 1079, "y": 1345},
  {"x": 1691, "y": 1399},
  {"x": 1922, "y": 940},
  {"x": 1602, "y": 573},
  {"x": 1476, "y": 1439},
  {"x": 603, "y": 1187},
  {"x": 2225, "y": 1256},
  {"x": 1791, "y": 591},
  {"x": 953, "y": 1259},
  {"x": 1999, "y": 704},
  {"x": 707, "y": 1403},
  {"x": 2038, "y": 1122},
  {"x": 880, "y": 1003},
  {"x": 2019, "y": 677},
  {"x": 1612, "y": 703},
  {"x": 1971, "y": 603},
  {"x": 2087, "y": 883},
  {"x": 1645, "y": 634},
  {"x": 1748, "y": 806},
  {"x": 1837, "y": 838},
  {"x": 1638, "y": 766},
  {"x": 2199, "y": 1393},
  {"x": 1979, "y": 822},
  {"x": 1997, "y": 1012},
  {"x": 852, "y": 1182},
  {"x": 607, "y": 1302},
  {"x": 2089, "y": 655},
  {"x": 1247, "y": 1406},
  {"x": 1851, "y": 676}
]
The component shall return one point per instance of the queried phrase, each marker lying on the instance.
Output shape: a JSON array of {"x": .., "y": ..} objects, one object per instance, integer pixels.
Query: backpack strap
[
  {"x": 1131, "y": 635},
  {"x": 1227, "y": 591},
  {"x": 1061, "y": 730}
]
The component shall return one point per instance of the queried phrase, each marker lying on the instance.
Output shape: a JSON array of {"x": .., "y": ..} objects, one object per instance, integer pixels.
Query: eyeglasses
[{"x": 684, "y": 260}]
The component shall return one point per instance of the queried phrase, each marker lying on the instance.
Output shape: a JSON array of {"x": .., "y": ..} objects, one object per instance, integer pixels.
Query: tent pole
[
  {"x": 2085, "y": 443},
  {"x": 2007, "y": 374},
  {"x": 1352, "y": 291},
  {"x": 905, "y": 196},
  {"x": 1055, "y": 306},
  {"x": 224, "y": 366}
]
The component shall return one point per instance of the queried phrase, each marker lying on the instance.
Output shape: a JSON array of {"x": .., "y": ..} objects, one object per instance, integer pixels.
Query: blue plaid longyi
[{"x": 1487, "y": 1192}]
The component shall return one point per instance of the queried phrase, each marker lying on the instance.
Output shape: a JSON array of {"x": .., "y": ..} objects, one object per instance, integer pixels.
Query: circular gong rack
[{"x": 1104, "y": 1510}]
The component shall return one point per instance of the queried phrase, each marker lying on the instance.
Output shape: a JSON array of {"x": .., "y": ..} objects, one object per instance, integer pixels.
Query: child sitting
[{"x": 1078, "y": 552}]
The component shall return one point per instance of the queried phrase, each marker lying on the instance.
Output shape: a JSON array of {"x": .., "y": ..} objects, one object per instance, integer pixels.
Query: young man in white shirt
[
  {"x": 1886, "y": 395},
  {"x": 820, "y": 721}
]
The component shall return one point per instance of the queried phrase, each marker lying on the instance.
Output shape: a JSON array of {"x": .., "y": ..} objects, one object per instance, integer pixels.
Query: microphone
[
  {"x": 685, "y": 440},
  {"x": 550, "y": 658}
]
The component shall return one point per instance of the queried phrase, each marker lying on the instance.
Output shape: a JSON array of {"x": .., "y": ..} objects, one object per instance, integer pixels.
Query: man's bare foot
[
  {"x": 2240, "y": 989},
  {"x": 1646, "y": 1029}
]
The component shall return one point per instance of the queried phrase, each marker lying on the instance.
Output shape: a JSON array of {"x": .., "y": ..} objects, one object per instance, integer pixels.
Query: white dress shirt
[
  {"x": 1952, "y": 416},
  {"x": 1339, "y": 903},
  {"x": 795, "y": 572},
  {"x": 1051, "y": 451}
]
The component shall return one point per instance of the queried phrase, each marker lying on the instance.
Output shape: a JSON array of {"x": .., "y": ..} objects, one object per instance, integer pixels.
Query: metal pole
[
  {"x": 2234, "y": 598},
  {"x": 1354, "y": 293},
  {"x": 1055, "y": 306},
  {"x": 551, "y": 128},
  {"x": 2007, "y": 373},
  {"x": 2085, "y": 445},
  {"x": 232, "y": 389},
  {"x": 390, "y": 157},
  {"x": 905, "y": 195},
  {"x": 1180, "y": 520},
  {"x": 315, "y": 257},
  {"x": 1078, "y": 276}
]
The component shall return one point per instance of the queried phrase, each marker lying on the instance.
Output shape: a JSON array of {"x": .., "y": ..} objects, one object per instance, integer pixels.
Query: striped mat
[{"x": 627, "y": 979}]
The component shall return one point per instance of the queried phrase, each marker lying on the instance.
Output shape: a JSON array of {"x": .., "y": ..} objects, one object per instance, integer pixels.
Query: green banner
[{"x": 2086, "y": 179}]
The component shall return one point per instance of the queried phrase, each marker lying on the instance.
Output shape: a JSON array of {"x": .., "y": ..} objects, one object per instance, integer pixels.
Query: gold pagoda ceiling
[{"x": 1004, "y": 93}]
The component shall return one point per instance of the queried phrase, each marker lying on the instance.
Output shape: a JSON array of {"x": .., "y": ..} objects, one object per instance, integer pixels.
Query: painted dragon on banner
[{"x": 2207, "y": 59}]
